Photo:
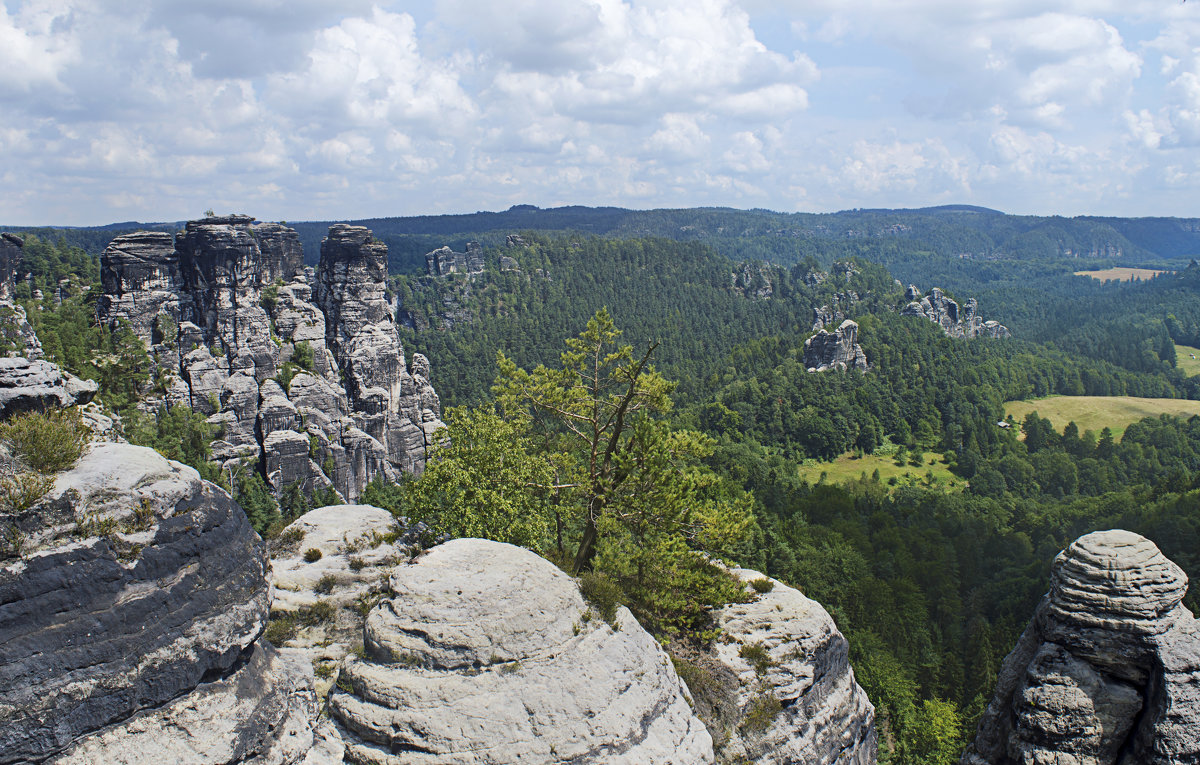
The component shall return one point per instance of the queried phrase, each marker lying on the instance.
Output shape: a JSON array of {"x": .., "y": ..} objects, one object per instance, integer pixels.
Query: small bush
[
  {"x": 324, "y": 670},
  {"x": 12, "y": 542},
  {"x": 757, "y": 655},
  {"x": 321, "y": 612},
  {"x": 23, "y": 490},
  {"x": 280, "y": 629},
  {"x": 49, "y": 442},
  {"x": 602, "y": 593},
  {"x": 762, "y": 585},
  {"x": 325, "y": 584},
  {"x": 357, "y": 564},
  {"x": 762, "y": 712},
  {"x": 288, "y": 541},
  {"x": 143, "y": 517},
  {"x": 312, "y": 555}
]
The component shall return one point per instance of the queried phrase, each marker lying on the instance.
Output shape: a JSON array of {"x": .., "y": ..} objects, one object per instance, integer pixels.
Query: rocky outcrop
[
  {"x": 137, "y": 581},
  {"x": 955, "y": 322},
  {"x": 1108, "y": 670},
  {"x": 835, "y": 350},
  {"x": 316, "y": 391},
  {"x": 485, "y": 654},
  {"x": 753, "y": 280},
  {"x": 796, "y": 696},
  {"x": 265, "y": 711},
  {"x": 38, "y": 386},
  {"x": 396, "y": 407},
  {"x": 445, "y": 261}
]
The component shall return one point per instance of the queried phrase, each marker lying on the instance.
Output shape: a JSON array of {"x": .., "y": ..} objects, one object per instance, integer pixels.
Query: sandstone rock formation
[
  {"x": 800, "y": 682},
  {"x": 484, "y": 655},
  {"x": 945, "y": 312},
  {"x": 137, "y": 582},
  {"x": 38, "y": 386},
  {"x": 316, "y": 391},
  {"x": 445, "y": 261},
  {"x": 835, "y": 350},
  {"x": 753, "y": 280},
  {"x": 1108, "y": 670}
]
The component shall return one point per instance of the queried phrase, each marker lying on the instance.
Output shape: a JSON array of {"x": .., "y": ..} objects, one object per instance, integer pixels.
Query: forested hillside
[{"x": 931, "y": 584}]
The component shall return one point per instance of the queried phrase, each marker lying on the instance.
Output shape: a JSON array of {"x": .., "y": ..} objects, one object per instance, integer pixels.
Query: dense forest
[{"x": 931, "y": 584}]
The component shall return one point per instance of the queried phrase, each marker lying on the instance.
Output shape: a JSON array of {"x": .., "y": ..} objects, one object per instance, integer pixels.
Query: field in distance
[
  {"x": 848, "y": 467},
  {"x": 1121, "y": 274},
  {"x": 1187, "y": 359},
  {"x": 1097, "y": 412}
]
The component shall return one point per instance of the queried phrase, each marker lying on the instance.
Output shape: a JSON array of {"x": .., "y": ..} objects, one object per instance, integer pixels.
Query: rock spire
[
  {"x": 1108, "y": 670},
  {"x": 315, "y": 391}
]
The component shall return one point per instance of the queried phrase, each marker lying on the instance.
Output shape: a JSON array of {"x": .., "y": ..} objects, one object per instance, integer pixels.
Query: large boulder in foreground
[
  {"x": 796, "y": 696},
  {"x": 137, "y": 582},
  {"x": 1108, "y": 670},
  {"x": 485, "y": 654}
]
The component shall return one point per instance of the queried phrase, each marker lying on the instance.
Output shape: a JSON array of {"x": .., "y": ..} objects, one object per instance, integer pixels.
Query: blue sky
[{"x": 306, "y": 109}]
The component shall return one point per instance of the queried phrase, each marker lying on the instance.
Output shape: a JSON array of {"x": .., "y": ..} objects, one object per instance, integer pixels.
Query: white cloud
[{"x": 306, "y": 109}]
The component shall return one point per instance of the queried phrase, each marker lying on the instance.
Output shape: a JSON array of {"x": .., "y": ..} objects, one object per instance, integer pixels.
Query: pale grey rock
[
  {"x": 264, "y": 713},
  {"x": 32, "y": 386},
  {"x": 285, "y": 453},
  {"x": 946, "y": 313},
  {"x": 1108, "y": 670},
  {"x": 445, "y": 261},
  {"x": 387, "y": 403},
  {"x": 835, "y": 350},
  {"x": 227, "y": 302},
  {"x": 825, "y": 716},
  {"x": 140, "y": 276},
  {"x": 94, "y": 629},
  {"x": 753, "y": 280},
  {"x": 340, "y": 532},
  {"x": 481, "y": 656},
  {"x": 16, "y": 329}
]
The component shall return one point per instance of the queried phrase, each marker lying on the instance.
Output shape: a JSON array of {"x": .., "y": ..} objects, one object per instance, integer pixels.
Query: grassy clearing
[
  {"x": 1121, "y": 274},
  {"x": 1184, "y": 361},
  {"x": 848, "y": 467},
  {"x": 1097, "y": 412}
]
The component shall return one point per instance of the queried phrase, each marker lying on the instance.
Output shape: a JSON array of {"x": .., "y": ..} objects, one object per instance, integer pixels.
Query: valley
[{"x": 777, "y": 363}]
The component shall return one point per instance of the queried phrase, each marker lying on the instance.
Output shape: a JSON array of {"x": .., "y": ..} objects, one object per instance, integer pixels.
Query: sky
[{"x": 316, "y": 110}]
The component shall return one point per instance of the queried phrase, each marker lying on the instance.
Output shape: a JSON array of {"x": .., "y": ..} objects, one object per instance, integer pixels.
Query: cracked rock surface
[
  {"x": 483, "y": 655},
  {"x": 1108, "y": 670},
  {"x": 823, "y": 716}
]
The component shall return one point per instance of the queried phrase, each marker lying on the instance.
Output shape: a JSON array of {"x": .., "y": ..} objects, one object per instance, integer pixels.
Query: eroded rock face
[
  {"x": 138, "y": 580},
  {"x": 822, "y": 716},
  {"x": 482, "y": 656},
  {"x": 228, "y": 312},
  {"x": 835, "y": 350},
  {"x": 946, "y": 313},
  {"x": 39, "y": 386},
  {"x": 264, "y": 712},
  {"x": 1108, "y": 670},
  {"x": 396, "y": 408}
]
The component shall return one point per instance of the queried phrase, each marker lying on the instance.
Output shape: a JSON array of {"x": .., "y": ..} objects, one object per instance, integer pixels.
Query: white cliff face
[
  {"x": 484, "y": 654},
  {"x": 796, "y": 695},
  {"x": 1108, "y": 670},
  {"x": 228, "y": 312}
]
